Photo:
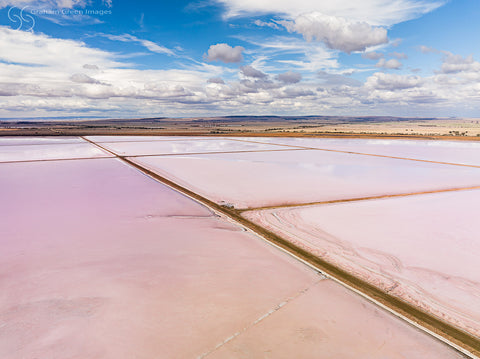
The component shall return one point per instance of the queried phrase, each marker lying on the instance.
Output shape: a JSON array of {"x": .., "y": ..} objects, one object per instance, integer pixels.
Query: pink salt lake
[
  {"x": 440, "y": 278},
  {"x": 423, "y": 249},
  {"x": 108, "y": 139},
  {"x": 460, "y": 152},
  {"x": 101, "y": 261},
  {"x": 189, "y": 145},
  {"x": 15, "y": 149},
  {"x": 259, "y": 179}
]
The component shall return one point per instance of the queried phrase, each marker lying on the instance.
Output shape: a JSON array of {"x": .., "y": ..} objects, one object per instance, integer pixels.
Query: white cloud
[
  {"x": 56, "y": 68},
  {"x": 38, "y": 49},
  {"x": 289, "y": 77},
  {"x": 392, "y": 82},
  {"x": 296, "y": 93},
  {"x": 375, "y": 12},
  {"x": 332, "y": 80},
  {"x": 250, "y": 71},
  {"x": 372, "y": 55},
  {"x": 84, "y": 79},
  {"x": 266, "y": 24},
  {"x": 225, "y": 53},
  {"x": 216, "y": 80},
  {"x": 396, "y": 42},
  {"x": 453, "y": 64},
  {"x": 399, "y": 55},
  {"x": 392, "y": 64},
  {"x": 150, "y": 45},
  {"x": 90, "y": 67},
  {"x": 307, "y": 57},
  {"x": 65, "y": 77},
  {"x": 336, "y": 32},
  {"x": 342, "y": 24},
  {"x": 426, "y": 49}
]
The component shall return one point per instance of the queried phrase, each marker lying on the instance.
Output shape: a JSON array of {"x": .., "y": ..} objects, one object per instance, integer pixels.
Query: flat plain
[
  {"x": 422, "y": 249},
  {"x": 100, "y": 260},
  {"x": 278, "y": 178}
]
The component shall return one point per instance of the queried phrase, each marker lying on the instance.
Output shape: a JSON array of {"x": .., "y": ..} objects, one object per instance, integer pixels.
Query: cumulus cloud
[
  {"x": 49, "y": 70},
  {"x": 329, "y": 79},
  {"x": 216, "y": 80},
  {"x": 426, "y": 49},
  {"x": 336, "y": 32},
  {"x": 372, "y": 55},
  {"x": 453, "y": 64},
  {"x": 90, "y": 67},
  {"x": 392, "y": 82},
  {"x": 254, "y": 85},
  {"x": 392, "y": 64},
  {"x": 83, "y": 79},
  {"x": 296, "y": 92},
  {"x": 250, "y": 71},
  {"x": 399, "y": 55},
  {"x": 289, "y": 77},
  {"x": 38, "y": 49},
  {"x": 51, "y": 84},
  {"x": 225, "y": 53}
]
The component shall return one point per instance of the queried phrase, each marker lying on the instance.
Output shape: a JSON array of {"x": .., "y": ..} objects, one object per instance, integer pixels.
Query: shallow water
[
  {"x": 18, "y": 141},
  {"x": 36, "y": 152},
  {"x": 461, "y": 152},
  {"x": 185, "y": 146},
  {"x": 286, "y": 177},
  {"x": 99, "y": 260},
  {"x": 107, "y": 139}
]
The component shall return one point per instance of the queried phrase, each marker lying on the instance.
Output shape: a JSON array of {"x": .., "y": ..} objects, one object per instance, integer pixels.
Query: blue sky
[{"x": 224, "y": 57}]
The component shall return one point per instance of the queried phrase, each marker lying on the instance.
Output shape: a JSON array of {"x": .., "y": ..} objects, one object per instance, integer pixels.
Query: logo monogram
[{"x": 24, "y": 20}]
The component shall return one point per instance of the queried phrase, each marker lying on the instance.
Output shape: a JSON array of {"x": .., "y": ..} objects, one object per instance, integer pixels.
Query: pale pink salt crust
[
  {"x": 339, "y": 326},
  {"x": 423, "y": 249},
  {"x": 31, "y": 152},
  {"x": 185, "y": 146},
  {"x": 107, "y": 139},
  {"x": 18, "y": 141},
  {"x": 461, "y": 152},
  {"x": 100, "y": 261},
  {"x": 260, "y": 179}
]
